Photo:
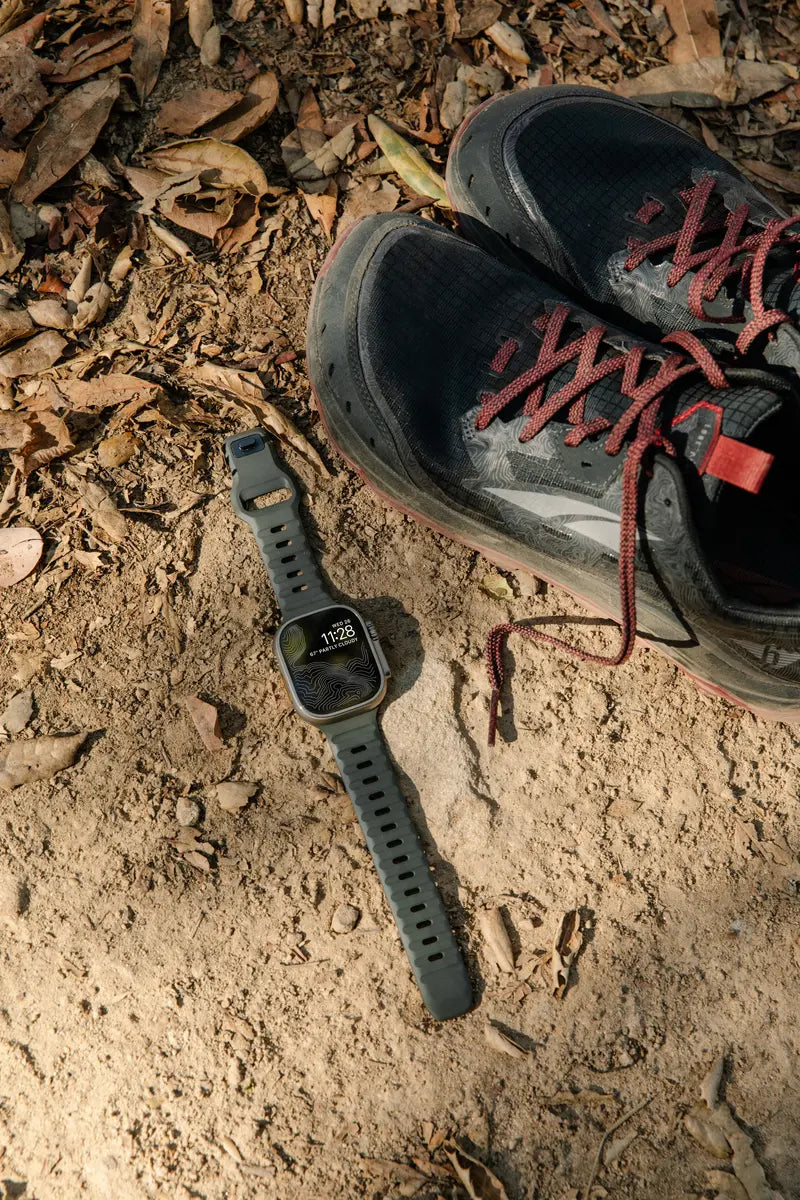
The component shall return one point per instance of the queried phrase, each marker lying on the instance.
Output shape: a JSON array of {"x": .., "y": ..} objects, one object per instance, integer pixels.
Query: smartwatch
[{"x": 336, "y": 673}]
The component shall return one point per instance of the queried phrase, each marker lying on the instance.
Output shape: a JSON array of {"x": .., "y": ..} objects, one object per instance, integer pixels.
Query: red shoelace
[
  {"x": 637, "y": 430},
  {"x": 735, "y": 254}
]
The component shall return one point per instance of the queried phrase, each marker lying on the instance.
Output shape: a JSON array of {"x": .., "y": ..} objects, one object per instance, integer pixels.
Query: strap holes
[
  {"x": 303, "y": 587},
  {"x": 283, "y": 545},
  {"x": 358, "y": 749},
  {"x": 371, "y": 779},
  {"x": 394, "y": 842},
  {"x": 388, "y": 828},
  {"x": 430, "y": 940},
  {"x": 469, "y": 181},
  {"x": 410, "y": 891},
  {"x": 363, "y": 765},
  {"x": 293, "y": 574},
  {"x": 401, "y": 858},
  {"x": 289, "y": 558},
  {"x": 415, "y": 908},
  {"x": 487, "y": 210},
  {"x": 409, "y": 875},
  {"x": 277, "y": 529},
  {"x": 435, "y": 957},
  {"x": 381, "y": 812},
  {"x": 422, "y": 924},
  {"x": 376, "y": 795},
  {"x": 331, "y": 369},
  {"x": 348, "y": 406}
]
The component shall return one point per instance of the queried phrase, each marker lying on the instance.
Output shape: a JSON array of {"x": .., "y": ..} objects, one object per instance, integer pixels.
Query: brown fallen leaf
[
  {"x": 37, "y": 758},
  {"x": 474, "y": 1176},
  {"x": 206, "y": 721},
  {"x": 18, "y": 712},
  {"x": 247, "y": 387},
  {"x": 787, "y": 181},
  {"x": 37, "y": 354},
  {"x": 705, "y": 83},
  {"x": 91, "y": 559},
  {"x": 14, "y": 430},
  {"x": 233, "y": 796},
  {"x": 99, "y": 507},
  {"x": 11, "y": 252},
  {"x": 706, "y": 1132},
  {"x": 195, "y": 108},
  {"x": 567, "y": 943},
  {"x": 93, "y": 307},
  {"x": 495, "y": 935},
  {"x": 601, "y": 20},
  {"x": 323, "y": 207},
  {"x": 312, "y": 169},
  {"x": 150, "y": 29},
  {"x": 49, "y": 313},
  {"x": 116, "y": 52},
  {"x": 726, "y": 1186},
  {"x": 502, "y": 1042},
  {"x": 252, "y": 111},
  {"x": 366, "y": 199},
  {"x": 201, "y": 18},
  {"x": 10, "y": 166},
  {"x": 118, "y": 449},
  {"x": 219, "y": 164},
  {"x": 22, "y": 92},
  {"x": 507, "y": 39},
  {"x": 696, "y": 29},
  {"x": 48, "y": 438},
  {"x": 20, "y": 551},
  {"x": 71, "y": 129},
  {"x": 14, "y": 323},
  {"x": 106, "y": 391}
]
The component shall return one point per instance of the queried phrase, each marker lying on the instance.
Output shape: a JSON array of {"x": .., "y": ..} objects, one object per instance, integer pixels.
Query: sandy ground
[{"x": 166, "y": 1032}]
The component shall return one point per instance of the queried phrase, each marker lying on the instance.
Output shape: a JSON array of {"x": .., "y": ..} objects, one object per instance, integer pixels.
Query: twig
[{"x": 611, "y": 1129}]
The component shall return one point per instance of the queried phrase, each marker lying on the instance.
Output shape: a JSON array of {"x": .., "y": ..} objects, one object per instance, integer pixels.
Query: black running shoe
[
  {"x": 639, "y": 477},
  {"x": 645, "y": 223}
]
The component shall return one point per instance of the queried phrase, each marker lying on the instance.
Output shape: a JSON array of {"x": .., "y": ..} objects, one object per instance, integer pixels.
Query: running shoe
[
  {"x": 641, "y": 477},
  {"x": 644, "y": 223}
]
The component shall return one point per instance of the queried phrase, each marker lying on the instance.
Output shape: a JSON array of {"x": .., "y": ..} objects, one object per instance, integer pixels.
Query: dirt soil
[{"x": 169, "y": 1031}]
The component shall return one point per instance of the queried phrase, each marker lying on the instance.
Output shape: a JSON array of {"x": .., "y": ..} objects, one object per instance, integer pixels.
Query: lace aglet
[{"x": 493, "y": 703}]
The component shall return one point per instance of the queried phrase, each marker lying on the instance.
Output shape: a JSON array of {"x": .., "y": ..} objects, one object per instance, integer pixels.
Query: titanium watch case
[{"x": 289, "y": 670}]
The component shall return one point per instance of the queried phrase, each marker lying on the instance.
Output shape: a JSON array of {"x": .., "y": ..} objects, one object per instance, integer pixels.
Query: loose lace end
[{"x": 493, "y": 703}]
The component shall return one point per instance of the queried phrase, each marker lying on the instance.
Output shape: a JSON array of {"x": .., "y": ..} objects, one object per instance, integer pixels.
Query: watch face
[{"x": 330, "y": 662}]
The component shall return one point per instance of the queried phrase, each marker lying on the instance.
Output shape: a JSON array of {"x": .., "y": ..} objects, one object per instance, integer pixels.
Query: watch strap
[
  {"x": 401, "y": 864},
  {"x": 278, "y": 527}
]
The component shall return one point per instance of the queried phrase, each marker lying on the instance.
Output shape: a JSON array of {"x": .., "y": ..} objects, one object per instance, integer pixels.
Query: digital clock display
[{"x": 329, "y": 660}]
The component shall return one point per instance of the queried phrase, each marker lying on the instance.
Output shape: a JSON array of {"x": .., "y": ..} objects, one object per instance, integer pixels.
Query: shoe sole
[{"x": 438, "y": 523}]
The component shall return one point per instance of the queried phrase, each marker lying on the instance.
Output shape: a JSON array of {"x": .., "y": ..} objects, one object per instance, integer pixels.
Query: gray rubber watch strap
[
  {"x": 278, "y": 529},
  {"x": 402, "y": 866}
]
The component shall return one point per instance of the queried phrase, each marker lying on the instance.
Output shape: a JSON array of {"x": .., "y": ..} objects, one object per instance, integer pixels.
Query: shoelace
[
  {"x": 734, "y": 255},
  {"x": 640, "y": 420}
]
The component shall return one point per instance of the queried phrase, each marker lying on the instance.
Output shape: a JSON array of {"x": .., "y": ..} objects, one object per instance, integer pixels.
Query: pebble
[
  {"x": 345, "y": 918},
  {"x": 187, "y": 811}
]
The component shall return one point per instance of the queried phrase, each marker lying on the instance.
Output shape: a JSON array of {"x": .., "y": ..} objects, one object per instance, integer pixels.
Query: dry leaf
[
  {"x": 37, "y": 758},
  {"x": 48, "y": 438},
  {"x": 726, "y": 1186},
  {"x": 99, "y": 507},
  {"x": 219, "y": 164},
  {"x": 509, "y": 41},
  {"x": 49, "y": 313},
  {"x": 696, "y": 29},
  {"x": 295, "y": 10},
  {"x": 232, "y": 797},
  {"x": 567, "y": 944},
  {"x": 93, "y": 307},
  {"x": 20, "y": 551},
  {"x": 366, "y": 199},
  {"x": 477, "y": 17},
  {"x": 211, "y": 48},
  {"x": 495, "y": 935},
  {"x": 105, "y": 391},
  {"x": 14, "y": 323},
  {"x": 313, "y": 168},
  {"x": 11, "y": 253},
  {"x": 118, "y": 449},
  {"x": 709, "y": 1087},
  {"x": 37, "y": 354},
  {"x": 788, "y": 181},
  {"x": 91, "y": 559},
  {"x": 614, "y": 1150},
  {"x": 14, "y": 430},
  {"x": 705, "y": 83},
  {"x": 17, "y": 712},
  {"x": 107, "y": 54},
  {"x": 705, "y": 1131},
  {"x": 247, "y": 387},
  {"x": 502, "y": 1042},
  {"x": 201, "y": 18},
  {"x": 150, "y": 29},
  {"x": 195, "y": 108},
  {"x": 252, "y": 110},
  {"x": 10, "y": 165},
  {"x": 206, "y": 722},
  {"x": 323, "y": 208},
  {"x": 170, "y": 240},
  {"x": 498, "y": 587},
  {"x": 241, "y": 9},
  {"x": 407, "y": 161},
  {"x": 22, "y": 93},
  {"x": 80, "y": 284},
  {"x": 121, "y": 265},
  {"x": 71, "y": 129},
  {"x": 477, "y": 1180}
]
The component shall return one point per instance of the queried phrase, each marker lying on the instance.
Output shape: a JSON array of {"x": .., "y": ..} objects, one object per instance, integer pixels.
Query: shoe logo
[
  {"x": 769, "y": 655},
  {"x": 588, "y": 520}
]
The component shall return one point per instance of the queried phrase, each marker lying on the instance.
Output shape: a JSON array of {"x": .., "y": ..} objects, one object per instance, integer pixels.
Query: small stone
[
  {"x": 187, "y": 811},
  {"x": 345, "y": 918},
  {"x": 18, "y": 712}
]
